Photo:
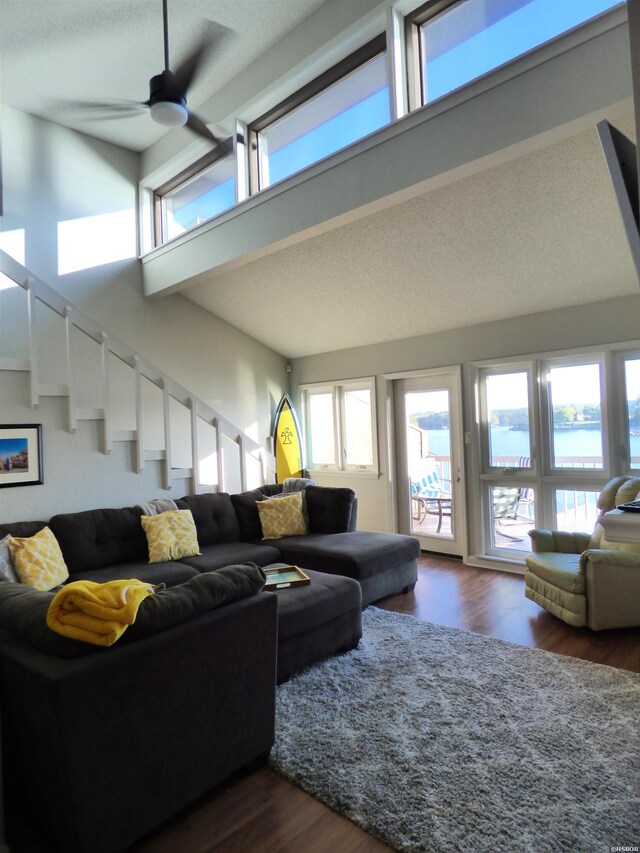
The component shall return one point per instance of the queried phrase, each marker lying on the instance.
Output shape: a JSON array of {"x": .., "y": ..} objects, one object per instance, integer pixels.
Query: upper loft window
[
  {"x": 346, "y": 103},
  {"x": 453, "y": 43},
  {"x": 203, "y": 191}
]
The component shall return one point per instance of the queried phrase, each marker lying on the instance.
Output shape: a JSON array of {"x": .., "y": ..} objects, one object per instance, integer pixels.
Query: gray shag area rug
[{"x": 434, "y": 739}]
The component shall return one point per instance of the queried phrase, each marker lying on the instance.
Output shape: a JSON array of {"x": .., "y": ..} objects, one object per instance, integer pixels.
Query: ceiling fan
[{"x": 167, "y": 103}]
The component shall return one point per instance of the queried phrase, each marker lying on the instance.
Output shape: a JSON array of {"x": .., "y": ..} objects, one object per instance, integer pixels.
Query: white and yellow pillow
[
  {"x": 171, "y": 535},
  {"x": 282, "y": 516},
  {"x": 38, "y": 560}
]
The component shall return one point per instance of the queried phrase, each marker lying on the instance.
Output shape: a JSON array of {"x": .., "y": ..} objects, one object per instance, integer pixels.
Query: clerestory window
[
  {"x": 203, "y": 191},
  {"x": 452, "y": 43},
  {"x": 343, "y": 105}
]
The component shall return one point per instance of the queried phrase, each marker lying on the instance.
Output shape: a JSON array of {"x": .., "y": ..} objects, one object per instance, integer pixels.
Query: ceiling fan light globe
[{"x": 169, "y": 114}]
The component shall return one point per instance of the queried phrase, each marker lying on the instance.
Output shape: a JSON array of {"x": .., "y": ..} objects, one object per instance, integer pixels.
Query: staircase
[{"x": 234, "y": 452}]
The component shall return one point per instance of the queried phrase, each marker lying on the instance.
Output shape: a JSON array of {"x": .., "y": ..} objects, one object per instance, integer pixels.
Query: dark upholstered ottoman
[
  {"x": 316, "y": 621},
  {"x": 383, "y": 563}
]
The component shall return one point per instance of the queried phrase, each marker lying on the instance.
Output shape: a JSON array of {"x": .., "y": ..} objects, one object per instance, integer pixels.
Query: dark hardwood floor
[{"x": 257, "y": 811}]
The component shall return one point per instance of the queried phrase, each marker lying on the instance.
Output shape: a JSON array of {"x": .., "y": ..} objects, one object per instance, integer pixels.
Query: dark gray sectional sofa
[{"x": 103, "y": 744}]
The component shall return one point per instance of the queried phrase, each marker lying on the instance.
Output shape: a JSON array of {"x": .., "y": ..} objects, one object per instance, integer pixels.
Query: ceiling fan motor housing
[
  {"x": 164, "y": 87},
  {"x": 168, "y": 105}
]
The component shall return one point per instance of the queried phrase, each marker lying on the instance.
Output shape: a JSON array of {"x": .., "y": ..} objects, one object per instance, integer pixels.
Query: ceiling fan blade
[
  {"x": 99, "y": 110},
  {"x": 187, "y": 71},
  {"x": 198, "y": 126}
]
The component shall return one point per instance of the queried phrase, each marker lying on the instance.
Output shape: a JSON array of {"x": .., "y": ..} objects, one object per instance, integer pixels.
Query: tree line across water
[{"x": 583, "y": 415}]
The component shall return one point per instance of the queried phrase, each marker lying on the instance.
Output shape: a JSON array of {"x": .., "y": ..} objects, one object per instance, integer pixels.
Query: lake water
[{"x": 508, "y": 442}]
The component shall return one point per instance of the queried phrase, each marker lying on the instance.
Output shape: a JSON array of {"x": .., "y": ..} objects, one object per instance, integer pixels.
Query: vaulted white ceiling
[
  {"x": 539, "y": 232},
  {"x": 93, "y": 50}
]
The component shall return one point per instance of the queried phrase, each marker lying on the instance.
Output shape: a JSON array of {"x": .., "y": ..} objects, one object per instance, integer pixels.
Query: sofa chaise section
[{"x": 383, "y": 563}]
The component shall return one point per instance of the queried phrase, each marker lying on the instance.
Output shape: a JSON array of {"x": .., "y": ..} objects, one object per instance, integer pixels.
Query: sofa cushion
[
  {"x": 198, "y": 595},
  {"x": 97, "y": 538},
  {"x": 355, "y": 555},
  {"x": 244, "y": 504},
  {"x": 304, "y": 608},
  {"x": 23, "y": 610},
  {"x": 559, "y": 570},
  {"x": 282, "y": 515},
  {"x": 169, "y": 573},
  {"x": 170, "y": 535},
  {"x": 21, "y": 528},
  {"x": 214, "y": 517},
  {"x": 329, "y": 509},
  {"x": 226, "y": 553},
  {"x": 38, "y": 560}
]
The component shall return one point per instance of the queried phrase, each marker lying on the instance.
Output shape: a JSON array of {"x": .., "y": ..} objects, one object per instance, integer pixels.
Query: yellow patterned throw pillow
[
  {"x": 170, "y": 535},
  {"x": 38, "y": 560},
  {"x": 282, "y": 516}
]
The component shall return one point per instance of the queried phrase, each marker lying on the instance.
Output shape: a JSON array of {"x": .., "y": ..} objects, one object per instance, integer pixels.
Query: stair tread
[
  {"x": 90, "y": 414},
  {"x": 125, "y": 435},
  {"x": 7, "y": 363},
  {"x": 53, "y": 389}
]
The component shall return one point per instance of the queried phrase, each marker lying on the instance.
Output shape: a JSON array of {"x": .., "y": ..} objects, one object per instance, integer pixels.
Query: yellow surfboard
[{"x": 287, "y": 441}]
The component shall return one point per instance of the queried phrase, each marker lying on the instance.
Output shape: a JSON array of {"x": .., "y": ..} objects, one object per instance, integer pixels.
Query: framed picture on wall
[{"x": 20, "y": 455}]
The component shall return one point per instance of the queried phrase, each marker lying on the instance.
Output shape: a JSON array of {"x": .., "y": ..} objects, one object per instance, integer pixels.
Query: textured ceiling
[
  {"x": 109, "y": 49},
  {"x": 541, "y": 232}
]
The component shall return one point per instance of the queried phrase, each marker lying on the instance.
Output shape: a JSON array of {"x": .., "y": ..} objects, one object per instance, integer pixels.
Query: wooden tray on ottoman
[{"x": 282, "y": 577}]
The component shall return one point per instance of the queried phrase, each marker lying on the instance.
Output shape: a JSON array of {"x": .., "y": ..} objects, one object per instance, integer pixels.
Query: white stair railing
[{"x": 38, "y": 291}]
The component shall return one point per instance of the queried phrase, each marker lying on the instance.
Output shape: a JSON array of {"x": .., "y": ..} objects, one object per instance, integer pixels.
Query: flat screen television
[{"x": 622, "y": 162}]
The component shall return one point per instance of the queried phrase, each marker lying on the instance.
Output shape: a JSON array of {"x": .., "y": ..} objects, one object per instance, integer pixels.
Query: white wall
[
  {"x": 53, "y": 175},
  {"x": 613, "y": 321}
]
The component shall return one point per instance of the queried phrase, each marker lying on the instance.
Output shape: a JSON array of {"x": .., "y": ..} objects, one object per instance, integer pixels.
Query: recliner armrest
[
  {"x": 612, "y": 588},
  {"x": 560, "y": 541},
  {"x": 602, "y": 557}
]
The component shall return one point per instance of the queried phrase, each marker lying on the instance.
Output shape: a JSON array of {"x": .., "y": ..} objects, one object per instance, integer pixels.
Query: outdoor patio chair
[
  {"x": 505, "y": 506},
  {"x": 526, "y": 495},
  {"x": 583, "y": 578},
  {"x": 430, "y": 495}
]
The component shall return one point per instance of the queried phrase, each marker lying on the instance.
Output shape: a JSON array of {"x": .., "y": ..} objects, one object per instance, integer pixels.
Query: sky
[{"x": 11, "y": 446}]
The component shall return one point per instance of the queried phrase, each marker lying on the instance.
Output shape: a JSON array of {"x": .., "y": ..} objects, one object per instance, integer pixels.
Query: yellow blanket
[{"x": 97, "y": 613}]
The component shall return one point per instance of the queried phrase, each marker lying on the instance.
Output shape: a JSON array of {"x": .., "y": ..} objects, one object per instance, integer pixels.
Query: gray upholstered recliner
[{"x": 582, "y": 578}]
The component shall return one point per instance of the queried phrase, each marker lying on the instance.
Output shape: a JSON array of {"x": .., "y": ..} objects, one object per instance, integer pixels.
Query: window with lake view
[
  {"x": 632, "y": 386},
  {"x": 552, "y": 432}
]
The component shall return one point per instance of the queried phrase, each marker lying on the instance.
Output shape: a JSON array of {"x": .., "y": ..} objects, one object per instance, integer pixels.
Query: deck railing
[{"x": 575, "y": 508}]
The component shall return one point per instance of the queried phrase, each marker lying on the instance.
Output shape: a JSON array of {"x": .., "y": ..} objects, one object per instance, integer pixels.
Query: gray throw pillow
[{"x": 6, "y": 565}]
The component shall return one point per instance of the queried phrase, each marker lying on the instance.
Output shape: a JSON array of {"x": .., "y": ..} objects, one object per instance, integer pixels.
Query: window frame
[
  {"x": 372, "y": 49},
  {"x": 413, "y": 23},
  {"x": 337, "y": 389},
  {"x": 545, "y": 479},
  {"x": 546, "y": 411},
  {"x": 160, "y": 237},
  {"x": 624, "y": 435},
  {"x": 492, "y": 471},
  {"x": 427, "y": 11}
]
